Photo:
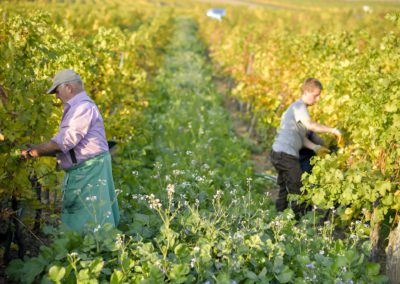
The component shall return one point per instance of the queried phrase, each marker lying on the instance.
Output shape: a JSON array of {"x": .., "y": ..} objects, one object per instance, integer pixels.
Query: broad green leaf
[
  {"x": 56, "y": 273},
  {"x": 116, "y": 277},
  {"x": 372, "y": 269},
  {"x": 285, "y": 276}
]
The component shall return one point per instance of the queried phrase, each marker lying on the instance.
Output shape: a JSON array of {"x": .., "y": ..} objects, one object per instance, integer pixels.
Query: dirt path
[
  {"x": 259, "y": 156},
  {"x": 241, "y": 127}
]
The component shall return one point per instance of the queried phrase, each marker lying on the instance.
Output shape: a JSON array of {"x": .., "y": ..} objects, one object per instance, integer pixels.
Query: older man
[
  {"x": 89, "y": 198},
  {"x": 291, "y": 137}
]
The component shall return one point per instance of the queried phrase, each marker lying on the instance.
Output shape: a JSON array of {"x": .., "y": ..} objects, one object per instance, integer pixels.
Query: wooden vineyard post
[
  {"x": 393, "y": 256},
  {"x": 374, "y": 236}
]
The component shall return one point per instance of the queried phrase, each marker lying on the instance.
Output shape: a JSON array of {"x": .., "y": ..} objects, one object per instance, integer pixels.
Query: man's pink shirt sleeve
[{"x": 74, "y": 127}]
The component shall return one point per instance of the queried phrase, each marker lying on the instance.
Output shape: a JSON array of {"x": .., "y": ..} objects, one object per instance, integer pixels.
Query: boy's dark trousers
[{"x": 289, "y": 180}]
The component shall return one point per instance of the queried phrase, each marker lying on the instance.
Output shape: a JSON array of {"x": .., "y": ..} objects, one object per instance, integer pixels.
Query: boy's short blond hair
[{"x": 311, "y": 84}]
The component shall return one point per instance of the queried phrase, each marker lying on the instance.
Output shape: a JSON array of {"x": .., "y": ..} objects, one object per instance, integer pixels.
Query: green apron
[{"x": 89, "y": 197}]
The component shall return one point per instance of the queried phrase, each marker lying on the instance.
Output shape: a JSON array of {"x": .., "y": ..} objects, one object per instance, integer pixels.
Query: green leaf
[
  {"x": 32, "y": 268},
  {"x": 318, "y": 197},
  {"x": 372, "y": 269},
  {"x": 278, "y": 264},
  {"x": 388, "y": 199},
  {"x": 182, "y": 251},
  {"x": 286, "y": 275},
  {"x": 178, "y": 273},
  {"x": 83, "y": 275},
  {"x": 251, "y": 275},
  {"x": 383, "y": 187},
  {"x": 96, "y": 266},
  {"x": 391, "y": 107},
  {"x": 141, "y": 218},
  {"x": 116, "y": 277},
  {"x": 14, "y": 268},
  {"x": 262, "y": 273},
  {"x": 56, "y": 273},
  {"x": 46, "y": 280}
]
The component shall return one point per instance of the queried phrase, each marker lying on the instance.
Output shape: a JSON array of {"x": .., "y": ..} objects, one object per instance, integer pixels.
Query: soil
[{"x": 31, "y": 240}]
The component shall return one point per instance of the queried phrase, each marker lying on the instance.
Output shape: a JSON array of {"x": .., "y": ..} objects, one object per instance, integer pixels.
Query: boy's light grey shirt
[{"x": 291, "y": 132}]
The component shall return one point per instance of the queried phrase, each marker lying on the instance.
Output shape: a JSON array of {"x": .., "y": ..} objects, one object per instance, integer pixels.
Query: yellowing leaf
[
  {"x": 383, "y": 187},
  {"x": 391, "y": 107},
  {"x": 348, "y": 211}
]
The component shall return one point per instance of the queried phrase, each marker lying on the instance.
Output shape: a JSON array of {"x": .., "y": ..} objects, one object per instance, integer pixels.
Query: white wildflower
[
  {"x": 96, "y": 228},
  {"x": 154, "y": 203},
  {"x": 200, "y": 179},
  {"x": 119, "y": 240},
  {"x": 157, "y": 165},
  {"x": 170, "y": 189},
  {"x": 218, "y": 194}
]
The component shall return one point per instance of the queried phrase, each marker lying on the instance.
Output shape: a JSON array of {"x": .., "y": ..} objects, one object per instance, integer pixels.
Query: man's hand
[
  {"x": 25, "y": 154},
  {"x": 28, "y": 153},
  {"x": 49, "y": 148},
  {"x": 322, "y": 151}
]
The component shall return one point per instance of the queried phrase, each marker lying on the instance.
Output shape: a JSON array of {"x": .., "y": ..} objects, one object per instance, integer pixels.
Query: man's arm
[{"x": 49, "y": 148}]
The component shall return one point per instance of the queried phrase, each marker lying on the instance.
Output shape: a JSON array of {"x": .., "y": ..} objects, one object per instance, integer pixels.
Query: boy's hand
[
  {"x": 322, "y": 151},
  {"x": 340, "y": 141},
  {"x": 339, "y": 137}
]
